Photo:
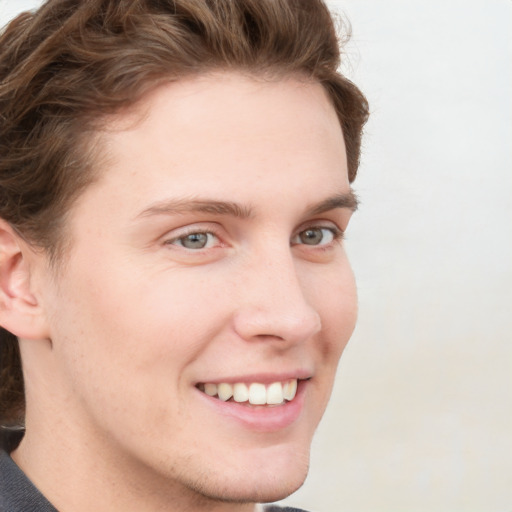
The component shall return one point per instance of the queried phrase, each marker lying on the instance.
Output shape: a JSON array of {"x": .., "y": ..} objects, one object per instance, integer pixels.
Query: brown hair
[{"x": 66, "y": 66}]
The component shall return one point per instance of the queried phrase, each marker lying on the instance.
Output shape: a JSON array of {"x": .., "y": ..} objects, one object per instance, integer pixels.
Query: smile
[{"x": 275, "y": 393}]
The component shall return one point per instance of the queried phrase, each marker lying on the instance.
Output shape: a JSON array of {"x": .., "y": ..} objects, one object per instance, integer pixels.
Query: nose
[{"x": 273, "y": 304}]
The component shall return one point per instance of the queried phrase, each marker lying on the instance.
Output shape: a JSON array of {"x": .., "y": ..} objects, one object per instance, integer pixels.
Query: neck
[{"x": 72, "y": 476}]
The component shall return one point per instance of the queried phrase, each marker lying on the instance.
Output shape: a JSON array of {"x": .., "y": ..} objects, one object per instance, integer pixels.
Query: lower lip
[{"x": 261, "y": 418}]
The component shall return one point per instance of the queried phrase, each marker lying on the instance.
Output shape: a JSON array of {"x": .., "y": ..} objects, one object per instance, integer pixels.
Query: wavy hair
[{"x": 66, "y": 66}]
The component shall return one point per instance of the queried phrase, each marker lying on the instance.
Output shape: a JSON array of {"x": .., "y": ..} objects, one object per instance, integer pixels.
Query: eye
[
  {"x": 198, "y": 240},
  {"x": 316, "y": 236}
]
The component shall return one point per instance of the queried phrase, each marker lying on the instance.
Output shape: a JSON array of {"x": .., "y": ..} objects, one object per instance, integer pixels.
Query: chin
[
  {"x": 259, "y": 482},
  {"x": 263, "y": 491}
]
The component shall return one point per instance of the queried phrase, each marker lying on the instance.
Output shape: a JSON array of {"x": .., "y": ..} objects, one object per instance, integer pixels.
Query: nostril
[{"x": 268, "y": 337}]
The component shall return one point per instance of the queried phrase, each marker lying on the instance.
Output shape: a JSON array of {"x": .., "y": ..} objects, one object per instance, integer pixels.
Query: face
[{"x": 201, "y": 312}]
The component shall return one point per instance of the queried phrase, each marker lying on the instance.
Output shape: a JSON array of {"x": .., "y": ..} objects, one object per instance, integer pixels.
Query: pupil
[
  {"x": 311, "y": 236},
  {"x": 195, "y": 241}
]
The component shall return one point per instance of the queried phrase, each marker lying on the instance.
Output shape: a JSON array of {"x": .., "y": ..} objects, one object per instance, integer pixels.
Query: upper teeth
[{"x": 255, "y": 393}]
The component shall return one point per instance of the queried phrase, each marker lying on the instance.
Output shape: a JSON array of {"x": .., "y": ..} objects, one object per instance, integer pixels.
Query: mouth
[
  {"x": 261, "y": 403},
  {"x": 254, "y": 393}
]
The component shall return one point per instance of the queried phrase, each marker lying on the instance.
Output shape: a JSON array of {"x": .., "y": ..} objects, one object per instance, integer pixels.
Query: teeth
[
  {"x": 255, "y": 393},
  {"x": 210, "y": 389},
  {"x": 290, "y": 389},
  {"x": 225, "y": 391},
  {"x": 240, "y": 392},
  {"x": 275, "y": 393}
]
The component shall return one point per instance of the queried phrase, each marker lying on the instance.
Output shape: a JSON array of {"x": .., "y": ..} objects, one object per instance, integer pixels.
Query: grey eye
[
  {"x": 195, "y": 240},
  {"x": 314, "y": 236},
  {"x": 311, "y": 236}
]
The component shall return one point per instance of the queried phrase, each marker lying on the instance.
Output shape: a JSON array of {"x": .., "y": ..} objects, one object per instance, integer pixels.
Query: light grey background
[{"x": 421, "y": 416}]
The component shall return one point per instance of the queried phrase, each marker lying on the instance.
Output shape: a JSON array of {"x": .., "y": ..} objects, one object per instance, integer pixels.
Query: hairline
[{"x": 91, "y": 145}]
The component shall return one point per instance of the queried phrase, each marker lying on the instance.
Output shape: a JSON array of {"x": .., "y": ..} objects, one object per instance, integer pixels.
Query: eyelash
[
  {"x": 183, "y": 237},
  {"x": 336, "y": 233},
  {"x": 337, "y": 236}
]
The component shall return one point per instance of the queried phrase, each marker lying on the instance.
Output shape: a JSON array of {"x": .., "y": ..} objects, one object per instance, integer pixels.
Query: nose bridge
[{"x": 273, "y": 301}]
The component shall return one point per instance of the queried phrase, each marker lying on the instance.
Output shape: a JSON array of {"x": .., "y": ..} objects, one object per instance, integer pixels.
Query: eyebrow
[
  {"x": 177, "y": 206},
  {"x": 181, "y": 206},
  {"x": 346, "y": 200}
]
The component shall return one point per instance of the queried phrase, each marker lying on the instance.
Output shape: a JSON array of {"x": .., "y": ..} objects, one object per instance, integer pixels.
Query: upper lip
[{"x": 262, "y": 378}]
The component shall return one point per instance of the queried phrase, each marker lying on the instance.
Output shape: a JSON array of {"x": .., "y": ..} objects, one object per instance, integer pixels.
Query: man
[{"x": 175, "y": 185}]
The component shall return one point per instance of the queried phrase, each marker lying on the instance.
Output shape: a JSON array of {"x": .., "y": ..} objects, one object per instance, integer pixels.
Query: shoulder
[{"x": 17, "y": 493}]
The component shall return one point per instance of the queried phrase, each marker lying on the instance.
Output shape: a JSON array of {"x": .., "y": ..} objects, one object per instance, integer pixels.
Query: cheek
[
  {"x": 338, "y": 310},
  {"x": 181, "y": 312},
  {"x": 143, "y": 329}
]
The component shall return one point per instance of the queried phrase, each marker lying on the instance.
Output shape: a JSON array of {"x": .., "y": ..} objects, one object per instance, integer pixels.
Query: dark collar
[{"x": 17, "y": 492}]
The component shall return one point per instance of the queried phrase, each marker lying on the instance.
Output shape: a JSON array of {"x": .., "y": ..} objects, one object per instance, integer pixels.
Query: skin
[{"x": 133, "y": 320}]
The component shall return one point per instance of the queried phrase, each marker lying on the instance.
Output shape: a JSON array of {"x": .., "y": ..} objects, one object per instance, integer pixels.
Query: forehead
[{"x": 224, "y": 134}]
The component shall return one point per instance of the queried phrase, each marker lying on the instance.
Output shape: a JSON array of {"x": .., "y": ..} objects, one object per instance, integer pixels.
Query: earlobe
[{"x": 20, "y": 311}]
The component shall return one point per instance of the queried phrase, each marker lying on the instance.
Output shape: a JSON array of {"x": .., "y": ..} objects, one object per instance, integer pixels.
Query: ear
[{"x": 20, "y": 311}]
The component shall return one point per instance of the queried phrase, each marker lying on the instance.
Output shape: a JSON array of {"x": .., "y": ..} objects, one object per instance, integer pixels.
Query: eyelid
[
  {"x": 337, "y": 232},
  {"x": 214, "y": 230},
  {"x": 179, "y": 233},
  {"x": 321, "y": 224}
]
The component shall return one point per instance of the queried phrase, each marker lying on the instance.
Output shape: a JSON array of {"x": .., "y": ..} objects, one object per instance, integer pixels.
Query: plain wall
[{"x": 421, "y": 416}]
